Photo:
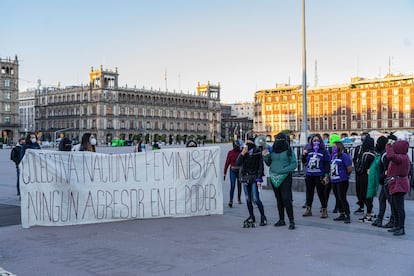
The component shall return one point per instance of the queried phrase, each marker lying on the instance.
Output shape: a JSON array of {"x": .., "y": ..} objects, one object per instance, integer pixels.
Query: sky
[{"x": 244, "y": 45}]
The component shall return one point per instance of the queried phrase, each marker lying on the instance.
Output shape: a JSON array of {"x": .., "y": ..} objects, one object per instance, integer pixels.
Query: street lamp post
[
  {"x": 234, "y": 132},
  {"x": 304, "y": 131},
  {"x": 245, "y": 135}
]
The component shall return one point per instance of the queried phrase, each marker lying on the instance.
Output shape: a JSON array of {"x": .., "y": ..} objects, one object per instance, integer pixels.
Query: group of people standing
[
  {"x": 32, "y": 141},
  {"x": 328, "y": 166},
  {"x": 247, "y": 167},
  {"x": 393, "y": 169}
]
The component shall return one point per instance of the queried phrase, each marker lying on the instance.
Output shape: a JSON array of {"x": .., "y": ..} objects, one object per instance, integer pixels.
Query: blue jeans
[
  {"x": 251, "y": 191},
  {"x": 234, "y": 176}
]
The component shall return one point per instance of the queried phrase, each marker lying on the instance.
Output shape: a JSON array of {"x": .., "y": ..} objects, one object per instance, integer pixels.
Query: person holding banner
[
  {"x": 88, "y": 142},
  {"x": 282, "y": 162},
  {"x": 250, "y": 175},
  {"x": 31, "y": 143}
]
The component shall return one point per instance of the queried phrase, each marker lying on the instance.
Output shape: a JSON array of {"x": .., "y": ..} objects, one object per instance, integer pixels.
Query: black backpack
[
  {"x": 15, "y": 155},
  {"x": 65, "y": 144}
]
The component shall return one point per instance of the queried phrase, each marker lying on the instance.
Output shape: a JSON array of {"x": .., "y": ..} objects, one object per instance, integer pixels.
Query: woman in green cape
[{"x": 282, "y": 162}]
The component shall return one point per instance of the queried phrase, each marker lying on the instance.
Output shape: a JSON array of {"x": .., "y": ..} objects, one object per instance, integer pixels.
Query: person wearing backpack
[
  {"x": 357, "y": 162},
  {"x": 397, "y": 181},
  {"x": 341, "y": 168},
  {"x": 317, "y": 161},
  {"x": 382, "y": 168},
  {"x": 282, "y": 162},
  {"x": 367, "y": 158},
  {"x": 15, "y": 157}
]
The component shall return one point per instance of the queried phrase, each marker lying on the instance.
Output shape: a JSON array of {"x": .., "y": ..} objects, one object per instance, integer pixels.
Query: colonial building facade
[
  {"x": 112, "y": 112},
  {"x": 9, "y": 103},
  {"x": 383, "y": 104},
  {"x": 27, "y": 121},
  {"x": 236, "y": 121}
]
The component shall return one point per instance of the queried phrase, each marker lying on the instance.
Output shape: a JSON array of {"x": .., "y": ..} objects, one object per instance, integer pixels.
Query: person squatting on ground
[
  {"x": 15, "y": 157},
  {"x": 367, "y": 157},
  {"x": 357, "y": 160},
  {"x": 317, "y": 161},
  {"x": 341, "y": 168},
  {"x": 282, "y": 162},
  {"x": 234, "y": 171},
  {"x": 251, "y": 172},
  {"x": 397, "y": 181},
  {"x": 383, "y": 196}
]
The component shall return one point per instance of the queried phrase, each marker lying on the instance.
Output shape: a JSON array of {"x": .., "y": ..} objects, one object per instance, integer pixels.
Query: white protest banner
[{"x": 67, "y": 188}]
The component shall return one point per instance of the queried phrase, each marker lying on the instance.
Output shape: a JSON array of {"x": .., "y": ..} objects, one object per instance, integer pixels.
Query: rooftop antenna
[
  {"x": 165, "y": 79},
  {"x": 389, "y": 65}
]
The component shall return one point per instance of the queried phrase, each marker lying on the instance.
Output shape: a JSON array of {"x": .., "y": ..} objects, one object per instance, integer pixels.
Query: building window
[
  {"x": 7, "y": 120},
  {"x": 7, "y": 107},
  {"x": 374, "y": 124}
]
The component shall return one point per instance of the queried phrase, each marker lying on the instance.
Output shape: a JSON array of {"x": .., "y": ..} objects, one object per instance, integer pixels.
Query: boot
[
  {"x": 377, "y": 222},
  {"x": 281, "y": 222},
  {"x": 291, "y": 225},
  {"x": 393, "y": 230},
  {"x": 324, "y": 213},
  {"x": 340, "y": 218},
  {"x": 263, "y": 221},
  {"x": 389, "y": 224},
  {"x": 347, "y": 219},
  {"x": 308, "y": 212},
  {"x": 399, "y": 232}
]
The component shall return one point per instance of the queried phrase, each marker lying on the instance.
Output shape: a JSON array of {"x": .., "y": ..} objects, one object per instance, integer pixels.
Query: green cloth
[{"x": 277, "y": 179}]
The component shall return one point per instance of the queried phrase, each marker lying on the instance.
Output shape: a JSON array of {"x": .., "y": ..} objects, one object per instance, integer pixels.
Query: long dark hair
[
  {"x": 341, "y": 148},
  {"x": 321, "y": 143}
]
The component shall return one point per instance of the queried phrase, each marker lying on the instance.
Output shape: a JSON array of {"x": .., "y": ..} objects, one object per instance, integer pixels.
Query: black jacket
[{"x": 251, "y": 165}]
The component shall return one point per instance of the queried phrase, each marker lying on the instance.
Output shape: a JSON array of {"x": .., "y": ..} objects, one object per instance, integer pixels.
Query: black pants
[
  {"x": 358, "y": 191},
  {"x": 382, "y": 201},
  {"x": 363, "y": 188},
  {"x": 341, "y": 189},
  {"x": 328, "y": 189},
  {"x": 311, "y": 183},
  {"x": 283, "y": 195},
  {"x": 397, "y": 204}
]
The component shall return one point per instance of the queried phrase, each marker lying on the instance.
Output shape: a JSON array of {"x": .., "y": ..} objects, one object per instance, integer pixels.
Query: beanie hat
[{"x": 333, "y": 139}]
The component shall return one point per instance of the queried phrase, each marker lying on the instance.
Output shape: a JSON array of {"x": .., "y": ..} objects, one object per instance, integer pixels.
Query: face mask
[
  {"x": 316, "y": 146},
  {"x": 33, "y": 140},
  {"x": 334, "y": 150},
  {"x": 93, "y": 141}
]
